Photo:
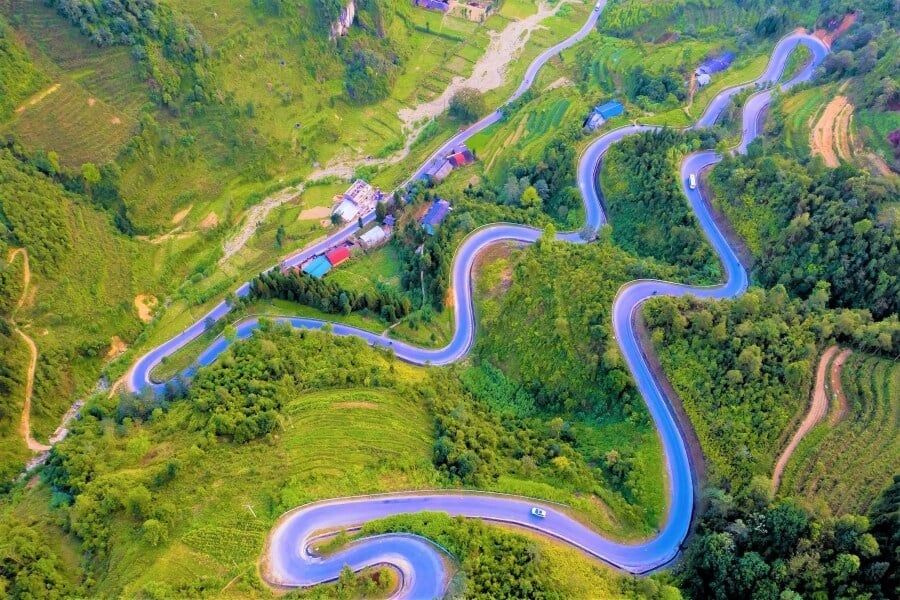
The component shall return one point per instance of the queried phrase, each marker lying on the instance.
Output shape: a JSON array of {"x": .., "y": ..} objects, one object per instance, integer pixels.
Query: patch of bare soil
[
  {"x": 818, "y": 406},
  {"x": 356, "y": 404},
  {"x": 828, "y": 36},
  {"x": 116, "y": 347},
  {"x": 831, "y": 129},
  {"x": 37, "y": 98},
  {"x": 561, "y": 82},
  {"x": 181, "y": 214},
  {"x": 145, "y": 303},
  {"x": 315, "y": 213},
  {"x": 91, "y": 101},
  {"x": 210, "y": 221},
  {"x": 837, "y": 367}
]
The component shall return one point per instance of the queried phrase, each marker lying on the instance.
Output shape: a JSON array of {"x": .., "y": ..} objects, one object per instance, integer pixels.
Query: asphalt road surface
[{"x": 288, "y": 561}]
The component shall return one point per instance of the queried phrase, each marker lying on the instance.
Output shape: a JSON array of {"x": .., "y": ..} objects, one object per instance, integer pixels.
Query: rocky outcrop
[{"x": 345, "y": 20}]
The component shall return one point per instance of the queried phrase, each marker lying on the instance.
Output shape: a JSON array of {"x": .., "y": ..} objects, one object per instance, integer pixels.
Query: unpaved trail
[
  {"x": 37, "y": 98},
  {"x": 818, "y": 406},
  {"x": 254, "y": 217},
  {"x": 831, "y": 132},
  {"x": 837, "y": 367},
  {"x": 489, "y": 72},
  {"x": 25, "y": 420}
]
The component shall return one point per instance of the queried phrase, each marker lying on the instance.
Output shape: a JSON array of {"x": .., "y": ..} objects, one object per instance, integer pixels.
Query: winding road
[{"x": 288, "y": 561}]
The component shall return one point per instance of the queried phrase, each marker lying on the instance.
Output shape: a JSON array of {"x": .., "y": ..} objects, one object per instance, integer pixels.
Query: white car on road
[{"x": 540, "y": 513}]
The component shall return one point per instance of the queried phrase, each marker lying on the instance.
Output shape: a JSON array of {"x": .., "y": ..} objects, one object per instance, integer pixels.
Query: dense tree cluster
[
  {"x": 868, "y": 51},
  {"x": 647, "y": 208},
  {"x": 467, "y": 105},
  {"x": 29, "y": 568},
  {"x": 169, "y": 48},
  {"x": 240, "y": 396},
  {"x": 100, "y": 186},
  {"x": 645, "y": 88},
  {"x": 370, "y": 73},
  {"x": 32, "y": 212},
  {"x": 547, "y": 185},
  {"x": 18, "y": 76},
  {"x": 328, "y": 296},
  {"x": 815, "y": 224},
  {"x": 750, "y": 548},
  {"x": 743, "y": 368}
]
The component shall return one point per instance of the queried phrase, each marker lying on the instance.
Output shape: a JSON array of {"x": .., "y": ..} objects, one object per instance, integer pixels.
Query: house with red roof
[{"x": 338, "y": 255}]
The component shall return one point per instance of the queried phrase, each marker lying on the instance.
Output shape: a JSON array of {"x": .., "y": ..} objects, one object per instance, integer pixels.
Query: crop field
[
  {"x": 801, "y": 110},
  {"x": 95, "y": 95},
  {"x": 845, "y": 465}
]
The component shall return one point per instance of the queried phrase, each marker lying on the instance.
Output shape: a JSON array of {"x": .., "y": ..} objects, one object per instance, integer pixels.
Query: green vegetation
[
  {"x": 18, "y": 77},
  {"x": 84, "y": 274},
  {"x": 539, "y": 569},
  {"x": 844, "y": 465},
  {"x": 649, "y": 214},
  {"x": 810, "y": 224},
  {"x": 328, "y": 296},
  {"x": 743, "y": 369},
  {"x": 749, "y": 547},
  {"x": 121, "y": 478}
]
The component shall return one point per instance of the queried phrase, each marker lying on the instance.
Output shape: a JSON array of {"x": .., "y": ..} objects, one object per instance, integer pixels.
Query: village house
[
  {"x": 440, "y": 168},
  {"x": 436, "y": 214},
  {"x": 359, "y": 199},
  {"x": 602, "y": 113},
  {"x": 373, "y": 237},
  {"x": 711, "y": 66}
]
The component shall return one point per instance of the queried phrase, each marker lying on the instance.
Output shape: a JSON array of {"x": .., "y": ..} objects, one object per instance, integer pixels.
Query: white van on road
[{"x": 692, "y": 181}]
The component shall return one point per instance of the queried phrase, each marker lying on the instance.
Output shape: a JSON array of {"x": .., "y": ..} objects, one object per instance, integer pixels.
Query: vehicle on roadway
[
  {"x": 540, "y": 513},
  {"x": 692, "y": 181}
]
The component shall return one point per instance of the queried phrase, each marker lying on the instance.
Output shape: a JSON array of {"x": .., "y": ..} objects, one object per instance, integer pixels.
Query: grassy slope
[
  {"x": 845, "y": 465},
  {"x": 225, "y": 497},
  {"x": 534, "y": 328}
]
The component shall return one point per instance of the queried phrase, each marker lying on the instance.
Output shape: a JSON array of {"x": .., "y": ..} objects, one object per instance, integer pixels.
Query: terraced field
[
  {"x": 847, "y": 464},
  {"x": 90, "y": 105}
]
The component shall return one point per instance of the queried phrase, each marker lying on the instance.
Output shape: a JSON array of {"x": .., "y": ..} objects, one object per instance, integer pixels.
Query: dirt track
[
  {"x": 834, "y": 377},
  {"x": 25, "y": 420},
  {"x": 818, "y": 407}
]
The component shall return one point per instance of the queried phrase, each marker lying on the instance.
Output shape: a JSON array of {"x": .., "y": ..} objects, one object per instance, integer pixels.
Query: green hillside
[{"x": 845, "y": 464}]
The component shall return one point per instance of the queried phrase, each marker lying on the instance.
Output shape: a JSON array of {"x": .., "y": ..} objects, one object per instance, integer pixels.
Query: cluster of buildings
[
  {"x": 359, "y": 199},
  {"x": 603, "y": 113},
  {"x": 473, "y": 10},
  {"x": 441, "y": 167},
  {"x": 711, "y": 66}
]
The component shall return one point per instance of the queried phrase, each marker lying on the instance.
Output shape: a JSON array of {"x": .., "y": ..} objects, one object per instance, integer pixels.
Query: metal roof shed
[{"x": 317, "y": 267}]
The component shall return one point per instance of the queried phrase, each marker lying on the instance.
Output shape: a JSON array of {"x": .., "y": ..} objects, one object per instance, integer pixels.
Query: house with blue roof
[
  {"x": 317, "y": 267},
  {"x": 436, "y": 214},
  {"x": 602, "y": 113}
]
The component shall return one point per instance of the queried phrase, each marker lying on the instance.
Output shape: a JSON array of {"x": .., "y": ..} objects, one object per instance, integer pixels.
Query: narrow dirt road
[
  {"x": 837, "y": 367},
  {"x": 818, "y": 406},
  {"x": 25, "y": 420}
]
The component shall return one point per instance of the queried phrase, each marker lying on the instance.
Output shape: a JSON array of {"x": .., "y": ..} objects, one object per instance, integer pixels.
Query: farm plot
[{"x": 846, "y": 464}]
